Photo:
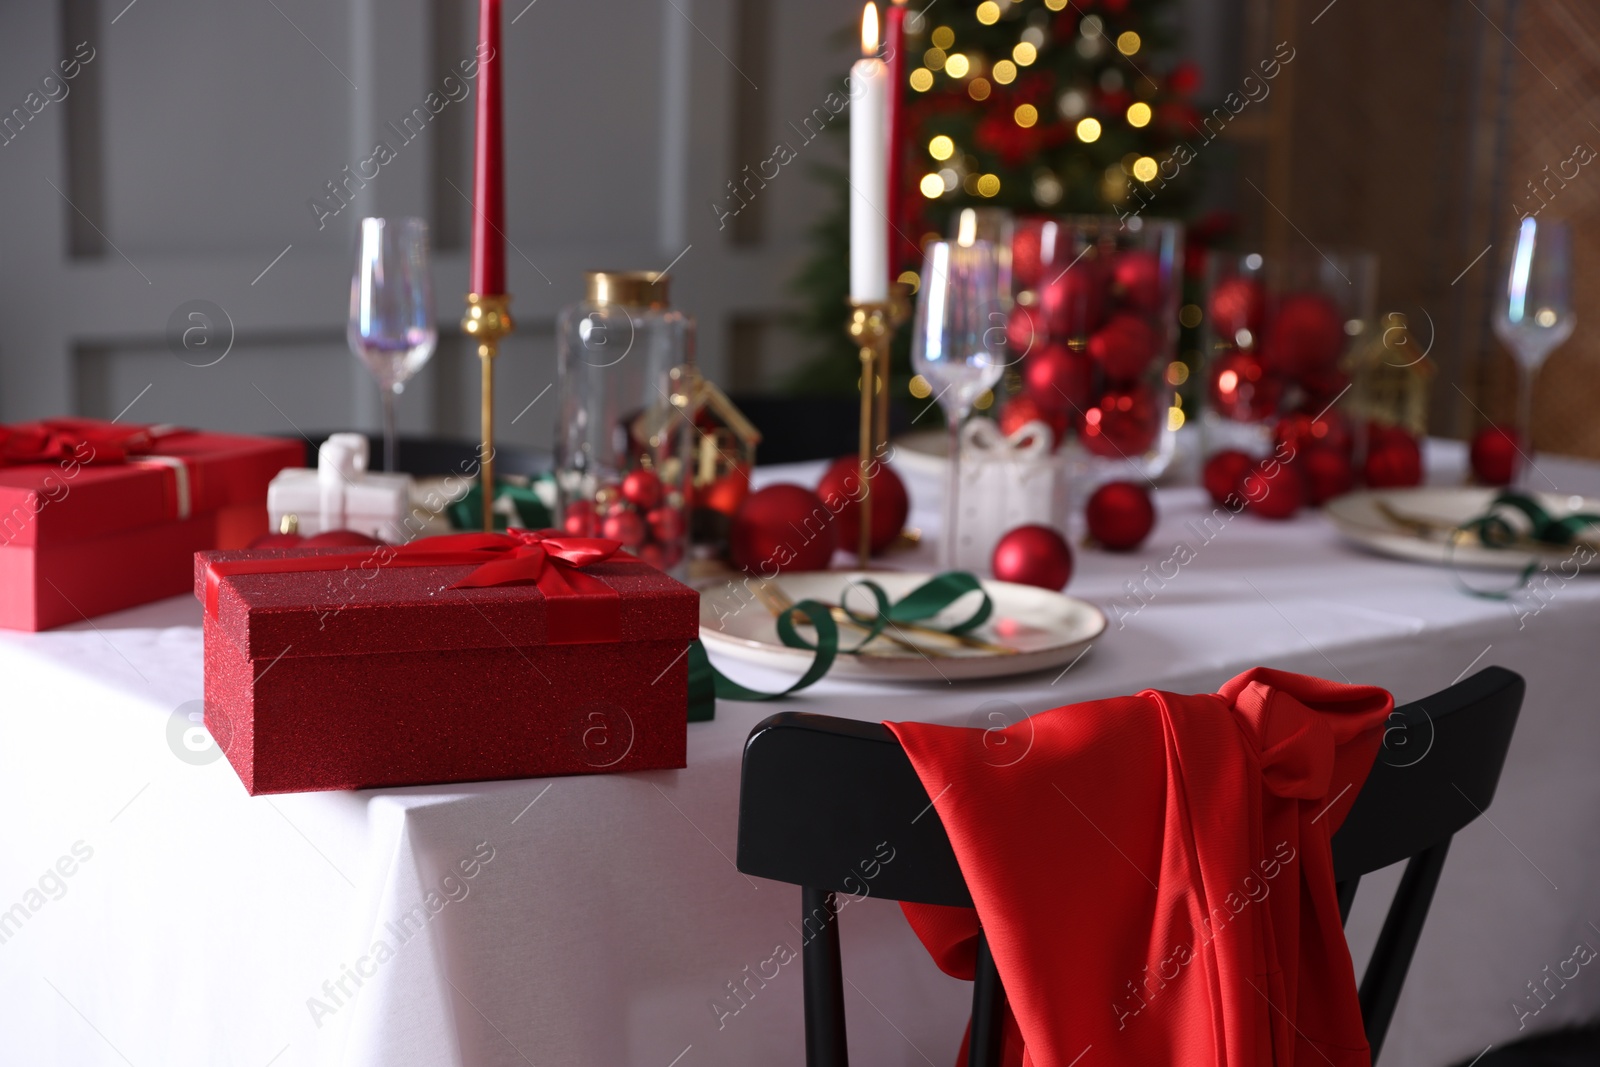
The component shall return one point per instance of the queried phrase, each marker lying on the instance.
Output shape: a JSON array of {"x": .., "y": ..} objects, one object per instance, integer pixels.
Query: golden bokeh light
[
  {"x": 988, "y": 12},
  {"x": 1088, "y": 130},
  {"x": 1005, "y": 72},
  {"x": 1026, "y": 115},
  {"x": 1128, "y": 43},
  {"x": 989, "y": 185},
  {"x": 1024, "y": 54},
  {"x": 1177, "y": 372},
  {"x": 1191, "y": 315},
  {"x": 1144, "y": 168},
  {"x": 1139, "y": 114},
  {"x": 957, "y": 66},
  {"x": 941, "y": 148},
  {"x": 921, "y": 79},
  {"x": 933, "y": 59},
  {"x": 943, "y": 37},
  {"x": 978, "y": 88},
  {"x": 932, "y": 186},
  {"x": 920, "y": 387},
  {"x": 985, "y": 400}
]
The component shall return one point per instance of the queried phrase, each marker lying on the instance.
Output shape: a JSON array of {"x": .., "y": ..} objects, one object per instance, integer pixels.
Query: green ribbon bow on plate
[
  {"x": 927, "y": 600},
  {"x": 1493, "y": 529}
]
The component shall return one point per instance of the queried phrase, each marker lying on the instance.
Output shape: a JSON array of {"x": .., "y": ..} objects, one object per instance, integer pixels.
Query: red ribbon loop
[{"x": 82, "y": 440}]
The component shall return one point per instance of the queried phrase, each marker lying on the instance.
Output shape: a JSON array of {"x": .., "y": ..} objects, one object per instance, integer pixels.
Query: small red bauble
[
  {"x": 1241, "y": 389},
  {"x": 1021, "y": 410},
  {"x": 1059, "y": 379},
  {"x": 1273, "y": 489},
  {"x": 1123, "y": 348},
  {"x": 1033, "y": 555},
  {"x": 782, "y": 528},
  {"x": 624, "y": 526},
  {"x": 1328, "y": 473},
  {"x": 1026, "y": 264},
  {"x": 1222, "y": 474},
  {"x": 1304, "y": 338},
  {"x": 1073, "y": 302},
  {"x": 1136, "y": 280},
  {"x": 641, "y": 488},
  {"x": 666, "y": 523},
  {"x": 326, "y": 539},
  {"x": 661, "y": 557},
  {"x": 1494, "y": 455},
  {"x": 1302, "y": 431},
  {"x": 1120, "y": 515},
  {"x": 1237, "y": 304},
  {"x": 1394, "y": 460},
  {"x": 1024, "y": 331},
  {"x": 580, "y": 519},
  {"x": 840, "y": 490},
  {"x": 727, "y": 493},
  {"x": 1123, "y": 424}
]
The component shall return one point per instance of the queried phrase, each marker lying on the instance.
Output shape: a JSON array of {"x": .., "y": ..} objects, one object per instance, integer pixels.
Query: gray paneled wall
[{"x": 181, "y": 163}]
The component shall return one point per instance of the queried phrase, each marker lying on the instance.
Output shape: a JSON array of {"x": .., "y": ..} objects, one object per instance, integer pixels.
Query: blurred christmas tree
[{"x": 1039, "y": 106}]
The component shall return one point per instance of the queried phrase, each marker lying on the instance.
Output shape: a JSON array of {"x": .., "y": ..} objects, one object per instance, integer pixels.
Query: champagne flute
[
  {"x": 956, "y": 347},
  {"x": 392, "y": 328},
  {"x": 1535, "y": 316}
]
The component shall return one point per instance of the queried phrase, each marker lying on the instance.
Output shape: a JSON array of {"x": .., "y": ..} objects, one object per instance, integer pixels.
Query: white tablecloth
[{"x": 603, "y": 920}]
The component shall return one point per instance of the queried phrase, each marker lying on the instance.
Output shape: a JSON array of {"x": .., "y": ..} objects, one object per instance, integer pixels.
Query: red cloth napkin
[{"x": 1154, "y": 873}]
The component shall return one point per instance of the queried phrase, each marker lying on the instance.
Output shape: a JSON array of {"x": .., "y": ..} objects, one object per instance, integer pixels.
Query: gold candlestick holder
[
  {"x": 488, "y": 319},
  {"x": 871, "y": 326}
]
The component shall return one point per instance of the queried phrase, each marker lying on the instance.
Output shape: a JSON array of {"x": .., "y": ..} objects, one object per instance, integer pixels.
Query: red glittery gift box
[
  {"x": 96, "y": 517},
  {"x": 377, "y": 674}
]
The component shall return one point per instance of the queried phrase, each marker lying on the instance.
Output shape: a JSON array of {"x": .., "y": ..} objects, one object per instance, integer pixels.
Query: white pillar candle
[{"x": 869, "y": 169}]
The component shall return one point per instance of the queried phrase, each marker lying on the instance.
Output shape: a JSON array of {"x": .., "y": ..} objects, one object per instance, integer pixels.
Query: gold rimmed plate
[{"x": 1417, "y": 524}]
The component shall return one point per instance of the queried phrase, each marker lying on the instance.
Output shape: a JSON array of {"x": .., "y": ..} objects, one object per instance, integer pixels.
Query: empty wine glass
[
  {"x": 1535, "y": 316},
  {"x": 956, "y": 346},
  {"x": 392, "y": 328}
]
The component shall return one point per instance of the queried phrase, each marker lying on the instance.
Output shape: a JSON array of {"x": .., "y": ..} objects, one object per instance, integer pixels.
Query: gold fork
[{"x": 779, "y": 601}]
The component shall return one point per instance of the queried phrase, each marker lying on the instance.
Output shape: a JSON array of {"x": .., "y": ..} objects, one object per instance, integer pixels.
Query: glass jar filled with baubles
[
  {"x": 1093, "y": 336},
  {"x": 622, "y": 446},
  {"x": 1275, "y": 335}
]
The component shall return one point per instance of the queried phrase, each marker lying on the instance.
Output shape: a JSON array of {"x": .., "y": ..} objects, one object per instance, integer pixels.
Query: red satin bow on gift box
[
  {"x": 583, "y": 609},
  {"x": 77, "y": 440}
]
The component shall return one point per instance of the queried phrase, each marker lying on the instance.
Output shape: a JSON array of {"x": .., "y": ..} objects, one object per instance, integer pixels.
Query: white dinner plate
[
  {"x": 1047, "y": 629},
  {"x": 1361, "y": 518}
]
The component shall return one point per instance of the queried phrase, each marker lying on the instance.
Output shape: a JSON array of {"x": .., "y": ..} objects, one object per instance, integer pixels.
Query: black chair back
[{"x": 820, "y": 795}]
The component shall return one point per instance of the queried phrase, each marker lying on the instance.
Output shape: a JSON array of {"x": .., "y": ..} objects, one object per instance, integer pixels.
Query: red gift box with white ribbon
[
  {"x": 457, "y": 658},
  {"x": 99, "y": 516}
]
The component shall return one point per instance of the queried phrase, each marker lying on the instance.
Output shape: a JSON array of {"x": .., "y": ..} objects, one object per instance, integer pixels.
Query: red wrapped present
[
  {"x": 100, "y": 516},
  {"x": 448, "y": 659}
]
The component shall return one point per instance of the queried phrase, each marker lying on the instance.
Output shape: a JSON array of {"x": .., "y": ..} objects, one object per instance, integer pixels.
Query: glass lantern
[{"x": 622, "y": 447}]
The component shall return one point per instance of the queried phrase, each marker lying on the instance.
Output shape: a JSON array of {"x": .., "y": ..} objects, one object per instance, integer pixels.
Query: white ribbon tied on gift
[{"x": 1006, "y": 481}]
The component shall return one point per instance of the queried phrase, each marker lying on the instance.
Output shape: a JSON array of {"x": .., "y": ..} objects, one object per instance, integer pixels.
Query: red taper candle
[
  {"x": 895, "y": 57},
  {"x": 489, "y": 174}
]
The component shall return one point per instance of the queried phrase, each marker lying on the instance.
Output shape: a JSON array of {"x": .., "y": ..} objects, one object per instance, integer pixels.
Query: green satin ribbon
[
  {"x": 1494, "y": 530},
  {"x": 467, "y": 513},
  {"x": 707, "y": 684}
]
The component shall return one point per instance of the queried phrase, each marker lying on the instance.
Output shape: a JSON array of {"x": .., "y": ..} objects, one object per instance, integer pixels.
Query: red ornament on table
[
  {"x": 1136, "y": 280},
  {"x": 1033, "y": 555},
  {"x": 580, "y": 519},
  {"x": 1120, "y": 515},
  {"x": 1304, "y": 337},
  {"x": 1394, "y": 459},
  {"x": 666, "y": 524},
  {"x": 728, "y": 492},
  {"x": 840, "y": 490},
  {"x": 1123, "y": 424},
  {"x": 489, "y": 169},
  {"x": 1059, "y": 379},
  {"x": 1123, "y": 348},
  {"x": 641, "y": 488},
  {"x": 1495, "y": 454},
  {"x": 1073, "y": 302},
  {"x": 1273, "y": 489},
  {"x": 782, "y": 528},
  {"x": 1024, "y": 330},
  {"x": 1301, "y": 431},
  {"x": 1023, "y": 409},
  {"x": 1328, "y": 473},
  {"x": 1223, "y": 472},
  {"x": 1237, "y": 304},
  {"x": 1241, "y": 389},
  {"x": 625, "y": 526}
]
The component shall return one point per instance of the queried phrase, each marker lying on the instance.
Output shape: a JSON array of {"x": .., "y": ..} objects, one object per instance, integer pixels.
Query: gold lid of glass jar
[{"x": 630, "y": 288}]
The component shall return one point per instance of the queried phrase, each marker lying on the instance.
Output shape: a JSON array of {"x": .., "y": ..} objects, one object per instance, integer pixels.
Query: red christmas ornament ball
[
  {"x": 1120, "y": 515},
  {"x": 1023, "y": 409},
  {"x": 1304, "y": 338},
  {"x": 1273, "y": 489},
  {"x": 1237, "y": 304},
  {"x": 1073, "y": 302},
  {"x": 625, "y": 526},
  {"x": 1033, "y": 555},
  {"x": 840, "y": 490},
  {"x": 1123, "y": 424},
  {"x": 1394, "y": 459},
  {"x": 728, "y": 492},
  {"x": 1123, "y": 348},
  {"x": 1301, "y": 431},
  {"x": 1026, "y": 263},
  {"x": 666, "y": 523},
  {"x": 1223, "y": 471},
  {"x": 641, "y": 488},
  {"x": 1494, "y": 455},
  {"x": 1328, "y": 473},
  {"x": 1024, "y": 331},
  {"x": 661, "y": 557},
  {"x": 1136, "y": 280},
  {"x": 1059, "y": 380},
  {"x": 783, "y": 527},
  {"x": 1241, "y": 389},
  {"x": 580, "y": 519}
]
